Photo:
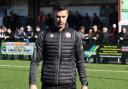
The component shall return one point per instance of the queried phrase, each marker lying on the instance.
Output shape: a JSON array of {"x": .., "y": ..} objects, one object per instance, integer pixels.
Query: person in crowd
[
  {"x": 123, "y": 37},
  {"x": 9, "y": 36},
  {"x": 90, "y": 35},
  {"x": 95, "y": 40},
  {"x": 105, "y": 37},
  {"x": 89, "y": 44},
  {"x": 60, "y": 48},
  {"x": 20, "y": 34},
  {"x": 83, "y": 36},
  {"x": 37, "y": 31},
  {"x": 81, "y": 32},
  {"x": 114, "y": 35},
  {"x": 1, "y": 38},
  {"x": 29, "y": 34},
  {"x": 123, "y": 41},
  {"x": 2, "y": 32},
  {"x": 95, "y": 35}
]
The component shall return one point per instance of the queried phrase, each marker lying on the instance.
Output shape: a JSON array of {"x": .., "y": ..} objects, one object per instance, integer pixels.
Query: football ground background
[{"x": 14, "y": 75}]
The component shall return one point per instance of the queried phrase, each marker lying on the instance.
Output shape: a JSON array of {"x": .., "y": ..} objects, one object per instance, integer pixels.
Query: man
[
  {"x": 95, "y": 41},
  {"x": 123, "y": 41},
  {"x": 105, "y": 37},
  {"x": 60, "y": 49}
]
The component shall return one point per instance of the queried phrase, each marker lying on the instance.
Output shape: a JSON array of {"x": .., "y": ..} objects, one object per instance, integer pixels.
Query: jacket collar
[{"x": 55, "y": 29}]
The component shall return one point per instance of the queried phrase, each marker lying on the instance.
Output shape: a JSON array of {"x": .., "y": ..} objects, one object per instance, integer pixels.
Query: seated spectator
[
  {"x": 37, "y": 31},
  {"x": 90, "y": 34},
  {"x": 114, "y": 35},
  {"x": 123, "y": 40},
  {"x": 9, "y": 35},
  {"x": 105, "y": 36},
  {"x": 29, "y": 34},
  {"x": 83, "y": 36},
  {"x": 2, "y": 33},
  {"x": 81, "y": 33},
  {"x": 95, "y": 35},
  {"x": 20, "y": 34},
  {"x": 95, "y": 40},
  {"x": 123, "y": 37}
]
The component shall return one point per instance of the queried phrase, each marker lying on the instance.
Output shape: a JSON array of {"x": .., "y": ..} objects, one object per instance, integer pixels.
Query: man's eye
[{"x": 57, "y": 16}]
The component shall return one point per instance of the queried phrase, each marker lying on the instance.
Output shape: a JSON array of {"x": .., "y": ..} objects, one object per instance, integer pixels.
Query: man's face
[
  {"x": 60, "y": 18},
  {"x": 124, "y": 30}
]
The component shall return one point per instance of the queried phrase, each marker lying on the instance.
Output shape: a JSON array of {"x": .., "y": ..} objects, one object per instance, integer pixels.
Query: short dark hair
[{"x": 59, "y": 6}]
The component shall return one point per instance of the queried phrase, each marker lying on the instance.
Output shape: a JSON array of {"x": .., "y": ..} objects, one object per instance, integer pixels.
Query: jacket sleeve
[
  {"x": 79, "y": 55},
  {"x": 37, "y": 56}
]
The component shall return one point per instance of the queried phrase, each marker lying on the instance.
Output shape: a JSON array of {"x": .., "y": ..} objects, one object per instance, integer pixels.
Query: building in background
[
  {"x": 123, "y": 14},
  {"x": 36, "y": 8}
]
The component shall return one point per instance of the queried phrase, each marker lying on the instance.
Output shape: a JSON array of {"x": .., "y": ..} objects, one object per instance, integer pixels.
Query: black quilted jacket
[{"x": 62, "y": 54}]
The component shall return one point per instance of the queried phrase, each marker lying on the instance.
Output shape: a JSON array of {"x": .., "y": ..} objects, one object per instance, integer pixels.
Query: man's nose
[{"x": 60, "y": 19}]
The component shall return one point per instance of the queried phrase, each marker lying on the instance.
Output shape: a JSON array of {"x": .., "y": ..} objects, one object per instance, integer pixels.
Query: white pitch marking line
[
  {"x": 107, "y": 71},
  {"x": 12, "y": 66},
  {"x": 87, "y": 69}
]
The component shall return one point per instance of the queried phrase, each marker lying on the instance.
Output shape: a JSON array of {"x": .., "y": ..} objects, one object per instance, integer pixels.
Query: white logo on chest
[
  {"x": 68, "y": 35},
  {"x": 51, "y": 36}
]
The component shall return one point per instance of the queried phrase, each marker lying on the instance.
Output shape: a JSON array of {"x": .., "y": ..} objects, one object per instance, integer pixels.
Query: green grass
[{"x": 100, "y": 76}]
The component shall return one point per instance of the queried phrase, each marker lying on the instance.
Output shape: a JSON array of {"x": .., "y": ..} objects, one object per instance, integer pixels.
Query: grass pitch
[{"x": 14, "y": 75}]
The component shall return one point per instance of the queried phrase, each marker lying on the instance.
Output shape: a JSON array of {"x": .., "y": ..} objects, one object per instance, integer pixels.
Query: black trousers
[{"x": 66, "y": 86}]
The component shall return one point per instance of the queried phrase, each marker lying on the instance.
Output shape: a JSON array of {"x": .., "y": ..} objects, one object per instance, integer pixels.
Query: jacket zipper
[{"x": 58, "y": 64}]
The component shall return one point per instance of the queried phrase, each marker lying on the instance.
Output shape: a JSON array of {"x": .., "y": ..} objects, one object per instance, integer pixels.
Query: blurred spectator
[
  {"x": 9, "y": 37},
  {"x": 95, "y": 35},
  {"x": 20, "y": 34},
  {"x": 105, "y": 40},
  {"x": 1, "y": 36},
  {"x": 81, "y": 33},
  {"x": 29, "y": 34},
  {"x": 90, "y": 34},
  {"x": 2, "y": 32},
  {"x": 105, "y": 37},
  {"x": 83, "y": 36},
  {"x": 114, "y": 35},
  {"x": 95, "y": 40},
  {"x": 123, "y": 38},
  {"x": 37, "y": 31}
]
